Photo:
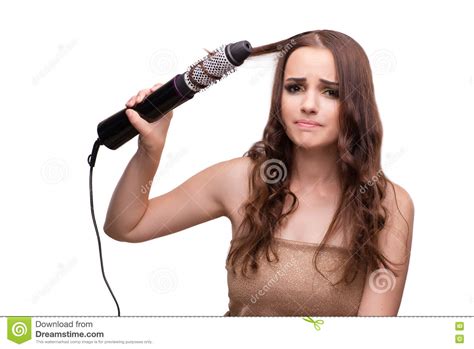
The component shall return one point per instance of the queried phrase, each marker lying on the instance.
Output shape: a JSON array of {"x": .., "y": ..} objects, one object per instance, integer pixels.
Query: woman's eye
[
  {"x": 291, "y": 88},
  {"x": 334, "y": 93},
  {"x": 296, "y": 88}
]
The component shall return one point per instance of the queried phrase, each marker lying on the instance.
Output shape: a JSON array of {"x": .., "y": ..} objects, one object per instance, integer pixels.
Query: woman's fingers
[
  {"x": 130, "y": 102},
  {"x": 141, "y": 95},
  {"x": 155, "y": 87},
  {"x": 140, "y": 124}
]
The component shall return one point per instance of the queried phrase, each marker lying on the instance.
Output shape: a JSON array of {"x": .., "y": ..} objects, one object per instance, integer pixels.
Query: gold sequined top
[{"x": 293, "y": 287}]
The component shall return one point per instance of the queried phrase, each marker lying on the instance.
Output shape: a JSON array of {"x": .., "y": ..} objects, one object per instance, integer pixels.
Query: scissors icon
[{"x": 315, "y": 323}]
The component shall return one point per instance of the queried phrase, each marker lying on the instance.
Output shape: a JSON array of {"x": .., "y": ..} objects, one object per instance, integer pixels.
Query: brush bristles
[{"x": 208, "y": 70}]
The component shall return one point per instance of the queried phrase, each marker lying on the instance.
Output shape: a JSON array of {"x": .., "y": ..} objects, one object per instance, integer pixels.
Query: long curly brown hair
[{"x": 360, "y": 211}]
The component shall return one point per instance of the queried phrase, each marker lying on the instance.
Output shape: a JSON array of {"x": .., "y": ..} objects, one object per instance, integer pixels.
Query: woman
[{"x": 317, "y": 227}]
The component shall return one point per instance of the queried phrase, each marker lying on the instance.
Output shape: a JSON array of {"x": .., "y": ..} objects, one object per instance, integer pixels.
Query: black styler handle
[{"x": 117, "y": 129}]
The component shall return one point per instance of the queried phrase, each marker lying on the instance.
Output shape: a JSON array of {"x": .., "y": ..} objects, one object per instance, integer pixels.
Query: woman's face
[{"x": 305, "y": 96}]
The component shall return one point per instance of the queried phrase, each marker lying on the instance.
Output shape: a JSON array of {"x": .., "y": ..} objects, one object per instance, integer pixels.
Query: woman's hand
[{"x": 152, "y": 136}]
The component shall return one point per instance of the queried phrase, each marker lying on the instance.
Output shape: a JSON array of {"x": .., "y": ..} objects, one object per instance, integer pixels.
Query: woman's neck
[{"x": 316, "y": 169}]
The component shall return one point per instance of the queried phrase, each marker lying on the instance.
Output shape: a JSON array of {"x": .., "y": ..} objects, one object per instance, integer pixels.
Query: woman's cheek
[{"x": 333, "y": 133}]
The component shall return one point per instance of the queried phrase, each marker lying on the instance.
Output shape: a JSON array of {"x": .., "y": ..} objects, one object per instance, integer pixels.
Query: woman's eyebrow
[{"x": 322, "y": 80}]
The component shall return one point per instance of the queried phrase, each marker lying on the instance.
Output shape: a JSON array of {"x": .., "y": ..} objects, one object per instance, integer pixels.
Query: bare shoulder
[
  {"x": 398, "y": 199},
  {"x": 396, "y": 237},
  {"x": 395, "y": 242},
  {"x": 235, "y": 184},
  {"x": 237, "y": 169}
]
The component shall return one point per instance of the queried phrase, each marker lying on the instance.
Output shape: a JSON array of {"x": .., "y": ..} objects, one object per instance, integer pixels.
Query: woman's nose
[{"x": 309, "y": 104}]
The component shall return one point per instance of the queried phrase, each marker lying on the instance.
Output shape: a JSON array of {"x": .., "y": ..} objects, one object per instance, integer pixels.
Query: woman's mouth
[{"x": 307, "y": 125}]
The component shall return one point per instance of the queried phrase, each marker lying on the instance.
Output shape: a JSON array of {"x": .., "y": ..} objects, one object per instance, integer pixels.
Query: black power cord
[{"x": 91, "y": 161}]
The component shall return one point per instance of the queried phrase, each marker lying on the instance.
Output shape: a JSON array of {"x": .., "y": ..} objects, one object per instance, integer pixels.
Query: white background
[{"x": 66, "y": 66}]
